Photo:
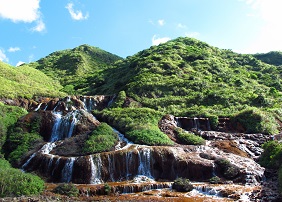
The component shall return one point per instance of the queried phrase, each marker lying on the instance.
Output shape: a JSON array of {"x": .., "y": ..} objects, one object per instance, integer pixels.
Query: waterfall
[
  {"x": 56, "y": 126},
  {"x": 64, "y": 125},
  {"x": 27, "y": 162},
  {"x": 207, "y": 190},
  {"x": 111, "y": 101},
  {"x": 111, "y": 168},
  {"x": 56, "y": 165},
  {"x": 38, "y": 107},
  {"x": 50, "y": 163},
  {"x": 88, "y": 104},
  {"x": 123, "y": 140},
  {"x": 144, "y": 162},
  {"x": 196, "y": 123},
  {"x": 67, "y": 170},
  {"x": 96, "y": 166}
]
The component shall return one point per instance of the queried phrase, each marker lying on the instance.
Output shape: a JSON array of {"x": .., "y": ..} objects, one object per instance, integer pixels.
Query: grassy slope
[
  {"x": 78, "y": 67},
  {"x": 25, "y": 81},
  {"x": 187, "y": 76}
]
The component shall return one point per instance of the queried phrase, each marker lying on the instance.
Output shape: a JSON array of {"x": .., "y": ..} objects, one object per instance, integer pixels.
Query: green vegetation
[
  {"x": 272, "y": 155},
  {"x": 140, "y": 125},
  {"x": 272, "y": 158},
  {"x": 14, "y": 182},
  {"x": 273, "y": 57},
  {"x": 26, "y": 82},
  {"x": 182, "y": 185},
  {"x": 78, "y": 69},
  {"x": 67, "y": 189},
  {"x": 187, "y": 77},
  {"x": 215, "y": 180},
  {"x": 188, "y": 137},
  {"x": 107, "y": 188},
  {"x": 230, "y": 171},
  {"x": 256, "y": 121},
  {"x": 102, "y": 139},
  {"x": 119, "y": 100},
  {"x": 8, "y": 117}
]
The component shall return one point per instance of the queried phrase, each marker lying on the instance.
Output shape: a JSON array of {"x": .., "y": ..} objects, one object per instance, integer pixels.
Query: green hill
[
  {"x": 75, "y": 68},
  {"x": 25, "y": 81},
  {"x": 188, "y": 77},
  {"x": 273, "y": 57}
]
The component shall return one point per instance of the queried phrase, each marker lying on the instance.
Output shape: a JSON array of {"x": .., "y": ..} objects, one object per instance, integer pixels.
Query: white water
[
  {"x": 38, "y": 107},
  {"x": 63, "y": 125},
  {"x": 122, "y": 140},
  {"x": 27, "y": 162},
  {"x": 67, "y": 170},
  {"x": 96, "y": 166},
  {"x": 144, "y": 156}
]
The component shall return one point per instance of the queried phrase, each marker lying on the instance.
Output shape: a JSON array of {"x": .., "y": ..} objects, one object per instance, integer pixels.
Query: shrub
[
  {"x": 14, "y": 182},
  {"x": 188, "y": 138},
  {"x": 67, "y": 189},
  {"x": 149, "y": 137},
  {"x": 20, "y": 143},
  {"x": 215, "y": 180},
  {"x": 103, "y": 138},
  {"x": 182, "y": 185},
  {"x": 272, "y": 155},
  {"x": 256, "y": 121},
  {"x": 119, "y": 99},
  {"x": 140, "y": 125},
  {"x": 107, "y": 188},
  {"x": 229, "y": 170}
]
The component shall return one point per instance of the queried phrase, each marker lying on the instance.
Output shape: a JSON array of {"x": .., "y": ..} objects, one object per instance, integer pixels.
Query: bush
[
  {"x": 272, "y": 155},
  {"x": 256, "y": 121},
  {"x": 19, "y": 143},
  {"x": 215, "y": 180},
  {"x": 188, "y": 138},
  {"x": 107, "y": 188},
  {"x": 67, "y": 189},
  {"x": 14, "y": 182},
  {"x": 182, "y": 185},
  {"x": 149, "y": 137},
  {"x": 229, "y": 170},
  {"x": 139, "y": 125},
  {"x": 119, "y": 99},
  {"x": 102, "y": 139}
]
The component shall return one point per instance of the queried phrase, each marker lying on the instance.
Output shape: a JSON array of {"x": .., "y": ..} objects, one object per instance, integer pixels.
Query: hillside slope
[
  {"x": 187, "y": 76},
  {"x": 74, "y": 68},
  {"x": 25, "y": 81}
]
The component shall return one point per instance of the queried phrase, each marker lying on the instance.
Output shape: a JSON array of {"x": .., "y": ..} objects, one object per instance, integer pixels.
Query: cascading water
[
  {"x": 64, "y": 125},
  {"x": 144, "y": 156},
  {"x": 38, "y": 107},
  {"x": 96, "y": 166},
  {"x": 67, "y": 170}
]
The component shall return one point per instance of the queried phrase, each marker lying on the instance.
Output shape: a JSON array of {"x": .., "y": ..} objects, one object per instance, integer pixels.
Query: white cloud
[
  {"x": 3, "y": 57},
  {"x": 39, "y": 27},
  {"x": 181, "y": 26},
  {"x": 27, "y": 11},
  {"x": 20, "y": 63},
  {"x": 19, "y": 10},
  {"x": 161, "y": 22},
  {"x": 13, "y": 49},
  {"x": 156, "y": 41},
  {"x": 76, "y": 15}
]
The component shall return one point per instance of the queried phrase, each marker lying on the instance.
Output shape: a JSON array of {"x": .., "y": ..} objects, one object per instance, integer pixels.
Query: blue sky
[{"x": 32, "y": 29}]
